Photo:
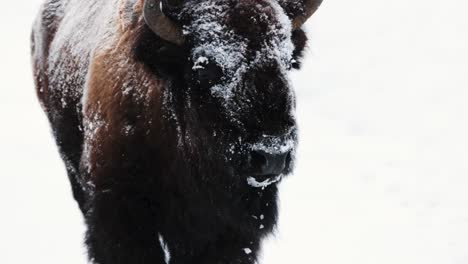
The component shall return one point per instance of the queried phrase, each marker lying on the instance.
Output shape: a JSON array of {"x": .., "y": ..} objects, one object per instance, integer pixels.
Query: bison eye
[
  {"x": 206, "y": 73},
  {"x": 294, "y": 64}
]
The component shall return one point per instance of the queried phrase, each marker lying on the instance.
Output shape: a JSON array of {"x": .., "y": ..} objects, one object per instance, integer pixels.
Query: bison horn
[
  {"x": 310, "y": 6},
  {"x": 160, "y": 24}
]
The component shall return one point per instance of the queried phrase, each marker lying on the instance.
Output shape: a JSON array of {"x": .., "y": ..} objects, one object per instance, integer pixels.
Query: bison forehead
[
  {"x": 254, "y": 19},
  {"x": 239, "y": 36}
]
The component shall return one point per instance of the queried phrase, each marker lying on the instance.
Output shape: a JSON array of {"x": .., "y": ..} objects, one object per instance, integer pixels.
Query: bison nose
[{"x": 264, "y": 163}]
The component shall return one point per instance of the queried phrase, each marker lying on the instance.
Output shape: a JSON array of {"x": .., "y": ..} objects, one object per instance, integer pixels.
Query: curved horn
[
  {"x": 160, "y": 23},
  {"x": 310, "y": 6}
]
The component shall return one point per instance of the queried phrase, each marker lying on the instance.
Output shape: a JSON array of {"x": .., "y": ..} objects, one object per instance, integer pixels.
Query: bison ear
[
  {"x": 300, "y": 10},
  {"x": 159, "y": 23}
]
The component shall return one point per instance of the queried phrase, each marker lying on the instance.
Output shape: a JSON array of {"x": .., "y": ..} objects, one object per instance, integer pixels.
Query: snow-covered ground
[{"x": 382, "y": 174}]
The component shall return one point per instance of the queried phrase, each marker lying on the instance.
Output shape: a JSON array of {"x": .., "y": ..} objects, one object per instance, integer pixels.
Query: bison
[{"x": 175, "y": 120}]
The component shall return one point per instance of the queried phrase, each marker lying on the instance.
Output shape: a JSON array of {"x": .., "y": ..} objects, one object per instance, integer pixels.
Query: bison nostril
[
  {"x": 264, "y": 163},
  {"x": 257, "y": 160}
]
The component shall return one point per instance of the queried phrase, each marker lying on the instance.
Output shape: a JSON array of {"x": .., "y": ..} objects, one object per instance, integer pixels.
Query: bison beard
[{"x": 173, "y": 146}]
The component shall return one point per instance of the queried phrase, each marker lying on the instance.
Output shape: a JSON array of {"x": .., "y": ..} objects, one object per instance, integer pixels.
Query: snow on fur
[{"x": 228, "y": 49}]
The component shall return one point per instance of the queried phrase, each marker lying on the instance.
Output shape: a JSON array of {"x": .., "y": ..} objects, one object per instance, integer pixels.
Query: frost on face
[
  {"x": 274, "y": 145},
  {"x": 219, "y": 43},
  {"x": 198, "y": 64},
  {"x": 293, "y": 6},
  {"x": 216, "y": 41}
]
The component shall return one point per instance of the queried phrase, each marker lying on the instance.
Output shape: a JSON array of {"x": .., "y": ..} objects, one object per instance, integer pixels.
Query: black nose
[{"x": 264, "y": 163}]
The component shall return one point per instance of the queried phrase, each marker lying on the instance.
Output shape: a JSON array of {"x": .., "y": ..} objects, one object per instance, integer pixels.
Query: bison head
[{"x": 231, "y": 93}]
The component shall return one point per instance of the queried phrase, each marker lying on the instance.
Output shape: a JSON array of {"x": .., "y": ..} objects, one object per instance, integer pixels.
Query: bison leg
[{"x": 122, "y": 228}]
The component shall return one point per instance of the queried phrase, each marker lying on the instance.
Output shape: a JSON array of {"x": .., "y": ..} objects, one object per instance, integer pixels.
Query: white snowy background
[{"x": 382, "y": 174}]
